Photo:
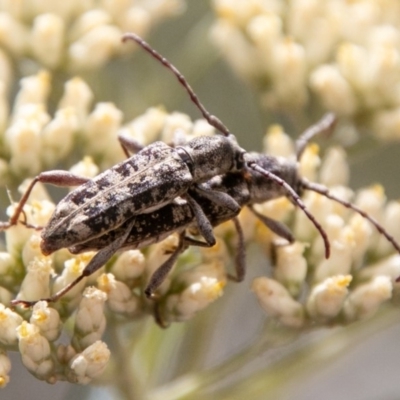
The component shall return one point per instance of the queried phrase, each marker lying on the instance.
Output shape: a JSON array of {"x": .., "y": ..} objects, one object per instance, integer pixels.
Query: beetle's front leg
[
  {"x": 100, "y": 258},
  {"x": 203, "y": 224},
  {"x": 221, "y": 198},
  {"x": 56, "y": 177},
  {"x": 164, "y": 269}
]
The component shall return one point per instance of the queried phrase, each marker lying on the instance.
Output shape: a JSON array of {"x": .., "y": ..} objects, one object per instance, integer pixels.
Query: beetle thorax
[{"x": 214, "y": 155}]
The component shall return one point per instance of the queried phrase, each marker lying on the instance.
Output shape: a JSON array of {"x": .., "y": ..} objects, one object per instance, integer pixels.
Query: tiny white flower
[
  {"x": 101, "y": 129},
  {"x": 175, "y": 125},
  {"x": 9, "y": 321},
  {"x": 129, "y": 266},
  {"x": 334, "y": 90},
  {"x": 86, "y": 168},
  {"x": 89, "y": 364},
  {"x": 391, "y": 222},
  {"x": 275, "y": 299},
  {"x": 6, "y": 264},
  {"x": 291, "y": 266},
  {"x": 87, "y": 21},
  {"x": 310, "y": 162},
  {"x": 198, "y": 288},
  {"x": 95, "y": 47},
  {"x": 47, "y": 39},
  {"x": 365, "y": 299},
  {"x": 90, "y": 321},
  {"x": 146, "y": 127},
  {"x": 77, "y": 95},
  {"x": 31, "y": 249},
  {"x": 35, "y": 351},
  {"x": 334, "y": 169},
  {"x": 277, "y": 143},
  {"x": 389, "y": 266},
  {"x": 36, "y": 283},
  {"x": 73, "y": 268},
  {"x": 120, "y": 297},
  {"x": 47, "y": 320},
  {"x": 34, "y": 90},
  {"x": 57, "y": 136},
  {"x": 326, "y": 299},
  {"x": 13, "y": 34}
]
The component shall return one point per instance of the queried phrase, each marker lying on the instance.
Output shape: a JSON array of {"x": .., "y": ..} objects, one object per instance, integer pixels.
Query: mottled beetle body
[
  {"x": 245, "y": 189},
  {"x": 179, "y": 217},
  {"x": 144, "y": 182}
]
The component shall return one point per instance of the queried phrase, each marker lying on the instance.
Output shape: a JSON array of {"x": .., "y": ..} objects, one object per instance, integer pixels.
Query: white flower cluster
[
  {"x": 345, "y": 53},
  {"x": 75, "y": 34},
  {"x": 40, "y": 353},
  {"x": 34, "y": 141},
  {"x": 306, "y": 288}
]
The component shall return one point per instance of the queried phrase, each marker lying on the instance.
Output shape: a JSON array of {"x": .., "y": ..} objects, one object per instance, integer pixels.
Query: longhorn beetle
[
  {"x": 150, "y": 179},
  {"x": 178, "y": 217}
]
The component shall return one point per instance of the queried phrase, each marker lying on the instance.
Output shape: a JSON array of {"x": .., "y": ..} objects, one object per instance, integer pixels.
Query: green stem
[{"x": 125, "y": 379}]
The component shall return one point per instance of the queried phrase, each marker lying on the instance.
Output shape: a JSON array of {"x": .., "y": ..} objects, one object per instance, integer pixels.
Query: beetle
[{"x": 246, "y": 189}]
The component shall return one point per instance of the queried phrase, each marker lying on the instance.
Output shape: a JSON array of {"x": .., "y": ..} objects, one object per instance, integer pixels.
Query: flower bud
[
  {"x": 277, "y": 143},
  {"x": 365, "y": 299},
  {"x": 35, "y": 351},
  {"x": 90, "y": 321},
  {"x": 129, "y": 266},
  {"x": 36, "y": 283},
  {"x": 326, "y": 299},
  {"x": 9, "y": 321},
  {"x": 291, "y": 267},
  {"x": 198, "y": 288},
  {"x": 121, "y": 300},
  {"x": 146, "y": 127},
  {"x": 95, "y": 47},
  {"x": 47, "y": 320},
  {"x": 77, "y": 95},
  {"x": 47, "y": 39},
  {"x": 89, "y": 364},
  {"x": 334, "y": 170},
  {"x": 276, "y": 301}
]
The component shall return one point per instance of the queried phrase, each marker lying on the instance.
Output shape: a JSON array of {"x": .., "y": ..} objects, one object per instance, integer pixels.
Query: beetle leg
[
  {"x": 163, "y": 270},
  {"x": 220, "y": 198},
  {"x": 277, "y": 227},
  {"x": 203, "y": 224},
  {"x": 240, "y": 256},
  {"x": 56, "y": 177},
  {"x": 100, "y": 258}
]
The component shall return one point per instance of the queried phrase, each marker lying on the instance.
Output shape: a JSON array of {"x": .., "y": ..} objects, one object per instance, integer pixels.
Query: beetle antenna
[
  {"x": 296, "y": 198},
  {"x": 325, "y": 125},
  {"x": 324, "y": 191},
  {"x": 211, "y": 119}
]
